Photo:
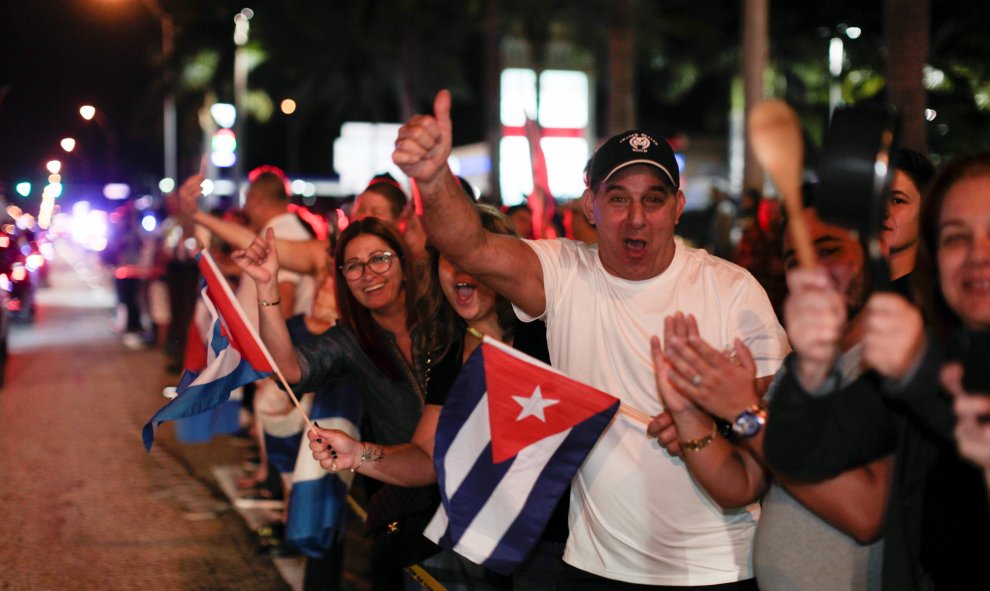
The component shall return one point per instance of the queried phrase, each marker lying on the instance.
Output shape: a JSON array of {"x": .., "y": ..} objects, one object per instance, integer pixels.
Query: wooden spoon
[{"x": 775, "y": 136}]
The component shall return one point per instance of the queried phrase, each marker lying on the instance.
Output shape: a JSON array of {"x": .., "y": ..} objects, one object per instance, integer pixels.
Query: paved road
[{"x": 82, "y": 506}]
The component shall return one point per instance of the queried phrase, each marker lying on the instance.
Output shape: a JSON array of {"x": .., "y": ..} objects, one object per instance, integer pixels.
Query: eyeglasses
[{"x": 378, "y": 262}]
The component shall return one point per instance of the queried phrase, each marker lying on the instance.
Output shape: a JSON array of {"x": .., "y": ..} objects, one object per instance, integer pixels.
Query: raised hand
[
  {"x": 672, "y": 399},
  {"x": 259, "y": 260},
  {"x": 191, "y": 190},
  {"x": 815, "y": 318},
  {"x": 894, "y": 335},
  {"x": 972, "y": 412},
  {"x": 424, "y": 142},
  {"x": 662, "y": 426},
  {"x": 723, "y": 383}
]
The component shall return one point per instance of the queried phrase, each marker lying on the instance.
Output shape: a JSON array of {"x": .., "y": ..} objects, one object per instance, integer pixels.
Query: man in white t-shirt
[
  {"x": 266, "y": 205},
  {"x": 640, "y": 517}
]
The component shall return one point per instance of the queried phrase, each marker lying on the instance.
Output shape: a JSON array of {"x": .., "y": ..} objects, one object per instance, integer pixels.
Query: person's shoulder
[
  {"x": 711, "y": 264},
  {"x": 287, "y": 223}
]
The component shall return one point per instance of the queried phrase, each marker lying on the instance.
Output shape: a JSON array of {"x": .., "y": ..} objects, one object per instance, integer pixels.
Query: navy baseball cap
[{"x": 629, "y": 148}]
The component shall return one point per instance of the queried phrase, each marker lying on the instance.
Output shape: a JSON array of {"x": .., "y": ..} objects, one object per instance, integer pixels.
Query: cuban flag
[
  {"x": 510, "y": 438},
  {"x": 235, "y": 355},
  {"x": 318, "y": 500}
]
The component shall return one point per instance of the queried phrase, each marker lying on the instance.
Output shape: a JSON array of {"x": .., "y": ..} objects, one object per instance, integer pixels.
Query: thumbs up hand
[{"x": 424, "y": 142}]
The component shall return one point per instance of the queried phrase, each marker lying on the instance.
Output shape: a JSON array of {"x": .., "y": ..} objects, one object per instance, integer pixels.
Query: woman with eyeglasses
[
  {"x": 457, "y": 305},
  {"x": 376, "y": 343},
  {"x": 373, "y": 341}
]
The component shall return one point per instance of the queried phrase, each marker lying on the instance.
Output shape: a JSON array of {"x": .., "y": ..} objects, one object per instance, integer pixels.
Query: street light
[
  {"x": 242, "y": 29},
  {"x": 68, "y": 144},
  {"x": 91, "y": 113},
  {"x": 289, "y": 107}
]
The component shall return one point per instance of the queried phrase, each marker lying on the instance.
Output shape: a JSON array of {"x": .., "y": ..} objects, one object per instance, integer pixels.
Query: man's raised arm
[{"x": 452, "y": 224}]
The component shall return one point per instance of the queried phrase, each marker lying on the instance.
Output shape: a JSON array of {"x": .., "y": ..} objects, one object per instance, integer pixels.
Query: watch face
[{"x": 747, "y": 424}]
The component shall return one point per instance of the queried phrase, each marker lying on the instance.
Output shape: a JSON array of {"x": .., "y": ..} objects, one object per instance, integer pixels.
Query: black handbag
[{"x": 397, "y": 516}]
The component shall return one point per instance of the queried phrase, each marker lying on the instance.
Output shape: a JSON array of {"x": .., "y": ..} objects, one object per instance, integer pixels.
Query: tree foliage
[{"x": 379, "y": 60}]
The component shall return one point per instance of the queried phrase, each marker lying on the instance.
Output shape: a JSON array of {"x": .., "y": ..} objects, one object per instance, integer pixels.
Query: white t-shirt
[
  {"x": 287, "y": 227},
  {"x": 636, "y": 514}
]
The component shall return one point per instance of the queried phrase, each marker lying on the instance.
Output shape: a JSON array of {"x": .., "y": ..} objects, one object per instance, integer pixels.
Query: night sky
[{"x": 56, "y": 55}]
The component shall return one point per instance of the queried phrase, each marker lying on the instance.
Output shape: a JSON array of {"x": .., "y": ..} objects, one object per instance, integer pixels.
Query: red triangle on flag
[
  {"x": 236, "y": 328},
  {"x": 527, "y": 402}
]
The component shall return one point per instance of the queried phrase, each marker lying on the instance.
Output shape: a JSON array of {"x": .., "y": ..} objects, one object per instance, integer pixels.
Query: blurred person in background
[
  {"x": 522, "y": 218},
  {"x": 181, "y": 276},
  {"x": 721, "y": 215},
  {"x": 810, "y": 536},
  {"x": 128, "y": 252},
  {"x": 938, "y": 519},
  {"x": 913, "y": 175},
  {"x": 576, "y": 225},
  {"x": 760, "y": 244}
]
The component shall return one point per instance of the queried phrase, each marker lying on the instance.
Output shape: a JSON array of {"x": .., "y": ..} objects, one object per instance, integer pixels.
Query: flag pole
[
  {"x": 634, "y": 413},
  {"x": 630, "y": 411},
  {"x": 254, "y": 334}
]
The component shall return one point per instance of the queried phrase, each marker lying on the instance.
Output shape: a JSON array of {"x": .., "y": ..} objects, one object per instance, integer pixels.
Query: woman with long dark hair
[
  {"x": 937, "y": 520},
  {"x": 460, "y": 308},
  {"x": 373, "y": 341}
]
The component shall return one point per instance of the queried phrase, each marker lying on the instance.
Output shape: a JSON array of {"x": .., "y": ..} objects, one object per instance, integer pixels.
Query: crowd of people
[{"x": 812, "y": 427}]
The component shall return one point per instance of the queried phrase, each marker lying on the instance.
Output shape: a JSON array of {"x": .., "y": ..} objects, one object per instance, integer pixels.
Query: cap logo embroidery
[{"x": 639, "y": 142}]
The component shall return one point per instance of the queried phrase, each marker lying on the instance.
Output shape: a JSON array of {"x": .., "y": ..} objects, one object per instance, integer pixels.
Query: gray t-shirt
[{"x": 795, "y": 550}]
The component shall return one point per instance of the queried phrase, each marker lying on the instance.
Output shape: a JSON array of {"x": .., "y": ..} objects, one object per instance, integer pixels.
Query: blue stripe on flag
[
  {"x": 200, "y": 398},
  {"x": 282, "y": 451},
  {"x": 318, "y": 501},
  {"x": 496, "y": 513},
  {"x": 208, "y": 388},
  {"x": 316, "y": 514},
  {"x": 552, "y": 483}
]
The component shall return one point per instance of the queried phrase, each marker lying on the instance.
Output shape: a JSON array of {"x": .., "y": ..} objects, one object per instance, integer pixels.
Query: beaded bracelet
[{"x": 369, "y": 454}]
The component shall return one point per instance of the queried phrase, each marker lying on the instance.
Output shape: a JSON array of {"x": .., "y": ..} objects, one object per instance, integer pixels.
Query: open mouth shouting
[
  {"x": 634, "y": 246},
  {"x": 465, "y": 291}
]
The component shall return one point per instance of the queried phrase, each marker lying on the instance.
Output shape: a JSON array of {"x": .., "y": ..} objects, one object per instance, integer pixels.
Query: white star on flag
[{"x": 534, "y": 405}]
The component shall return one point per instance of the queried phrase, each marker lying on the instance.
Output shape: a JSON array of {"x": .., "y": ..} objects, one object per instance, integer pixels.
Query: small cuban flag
[
  {"x": 235, "y": 355},
  {"x": 510, "y": 438}
]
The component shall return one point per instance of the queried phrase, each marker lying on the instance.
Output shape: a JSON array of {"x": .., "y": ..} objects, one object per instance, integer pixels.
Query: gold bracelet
[
  {"x": 701, "y": 442},
  {"x": 266, "y": 303}
]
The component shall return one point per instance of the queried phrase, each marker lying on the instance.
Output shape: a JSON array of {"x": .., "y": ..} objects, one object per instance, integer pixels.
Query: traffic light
[{"x": 223, "y": 148}]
